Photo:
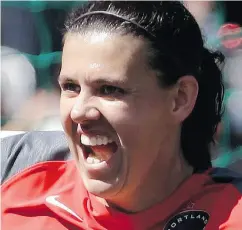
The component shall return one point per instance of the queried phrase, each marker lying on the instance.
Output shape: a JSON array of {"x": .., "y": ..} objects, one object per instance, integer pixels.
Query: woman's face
[{"x": 118, "y": 121}]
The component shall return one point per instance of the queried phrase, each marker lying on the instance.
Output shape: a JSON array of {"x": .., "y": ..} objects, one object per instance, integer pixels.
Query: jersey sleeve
[
  {"x": 234, "y": 221},
  {"x": 227, "y": 211}
]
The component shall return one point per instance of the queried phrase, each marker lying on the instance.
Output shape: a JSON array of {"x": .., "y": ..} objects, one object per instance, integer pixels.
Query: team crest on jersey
[{"x": 188, "y": 220}]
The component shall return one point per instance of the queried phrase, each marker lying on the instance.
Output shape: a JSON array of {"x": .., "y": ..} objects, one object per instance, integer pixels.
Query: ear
[{"x": 184, "y": 97}]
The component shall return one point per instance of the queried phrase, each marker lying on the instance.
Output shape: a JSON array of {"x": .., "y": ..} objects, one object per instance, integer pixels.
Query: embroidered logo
[
  {"x": 188, "y": 220},
  {"x": 53, "y": 201}
]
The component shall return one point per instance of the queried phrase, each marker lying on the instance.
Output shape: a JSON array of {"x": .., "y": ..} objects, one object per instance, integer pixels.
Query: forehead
[{"x": 103, "y": 53}]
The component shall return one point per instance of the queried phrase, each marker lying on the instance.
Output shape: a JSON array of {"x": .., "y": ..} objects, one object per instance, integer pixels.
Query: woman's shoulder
[
  {"x": 31, "y": 186},
  {"x": 226, "y": 199},
  {"x": 227, "y": 177},
  {"x": 44, "y": 174},
  {"x": 22, "y": 151}
]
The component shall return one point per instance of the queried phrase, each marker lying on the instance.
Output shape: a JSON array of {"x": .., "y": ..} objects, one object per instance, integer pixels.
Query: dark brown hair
[{"x": 176, "y": 41}]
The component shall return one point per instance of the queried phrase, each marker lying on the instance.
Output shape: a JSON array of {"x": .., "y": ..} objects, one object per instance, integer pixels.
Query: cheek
[
  {"x": 140, "y": 125},
  {"x": 116, "y": 113},
  {"x": 127, "y": 122}
]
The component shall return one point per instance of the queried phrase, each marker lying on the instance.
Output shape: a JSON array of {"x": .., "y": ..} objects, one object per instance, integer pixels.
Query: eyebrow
[
  {"x": 102, "y": 81},
  {"x": 98, "y": 81},
  {"x": 62, "y": 78}
]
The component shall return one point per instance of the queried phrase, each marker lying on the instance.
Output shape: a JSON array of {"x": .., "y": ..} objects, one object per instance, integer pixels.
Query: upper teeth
[{"x": 95, "y": 140}]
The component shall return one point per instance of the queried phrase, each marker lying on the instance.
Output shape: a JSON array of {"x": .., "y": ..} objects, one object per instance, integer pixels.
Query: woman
[{"x": 141, "y": 98}]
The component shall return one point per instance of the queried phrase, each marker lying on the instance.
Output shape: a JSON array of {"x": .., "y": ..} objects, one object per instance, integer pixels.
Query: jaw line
[{"x": 78, "y": 148}]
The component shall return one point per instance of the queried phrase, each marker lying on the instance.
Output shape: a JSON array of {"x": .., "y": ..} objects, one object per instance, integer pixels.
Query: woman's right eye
[{"x": 70, "y": 86}]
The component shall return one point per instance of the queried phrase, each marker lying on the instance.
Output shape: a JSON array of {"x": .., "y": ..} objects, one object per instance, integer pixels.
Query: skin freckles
[{"x": 108, "y": 87}]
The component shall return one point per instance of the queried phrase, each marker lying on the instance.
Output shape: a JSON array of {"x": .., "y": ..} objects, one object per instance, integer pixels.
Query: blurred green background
[{"x": 31, "y": 46}]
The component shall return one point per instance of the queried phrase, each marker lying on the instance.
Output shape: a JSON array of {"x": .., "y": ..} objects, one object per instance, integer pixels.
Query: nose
[{"x": 83, "y": 111}]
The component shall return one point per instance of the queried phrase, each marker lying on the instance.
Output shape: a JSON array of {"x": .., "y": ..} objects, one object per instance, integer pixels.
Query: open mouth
[{"x": 98, "y": 149}]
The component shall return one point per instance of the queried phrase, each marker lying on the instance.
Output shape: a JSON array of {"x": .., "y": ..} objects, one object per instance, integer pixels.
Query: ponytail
[{"x": 199, "y": 128}]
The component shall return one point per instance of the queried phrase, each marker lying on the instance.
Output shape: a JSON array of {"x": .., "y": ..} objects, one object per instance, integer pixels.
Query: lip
[
  {"x": 104, "y": 167},
  {"x": 92, "y": 133}
]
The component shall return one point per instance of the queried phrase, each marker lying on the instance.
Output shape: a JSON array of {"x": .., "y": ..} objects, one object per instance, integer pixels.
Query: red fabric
[{"x": 34, "y": 199}]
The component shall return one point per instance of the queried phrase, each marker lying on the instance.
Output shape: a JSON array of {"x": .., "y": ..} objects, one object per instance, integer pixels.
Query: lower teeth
[
  {"x": 92, "y": 159},
  {"x": 96, "y": 154}
]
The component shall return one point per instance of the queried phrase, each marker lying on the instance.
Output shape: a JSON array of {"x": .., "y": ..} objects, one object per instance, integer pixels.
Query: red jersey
[{"x": 51, "y": 195}]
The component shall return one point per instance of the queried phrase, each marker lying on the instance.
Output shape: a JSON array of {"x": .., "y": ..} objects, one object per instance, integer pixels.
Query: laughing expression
[{"x": 115, "y": 115}]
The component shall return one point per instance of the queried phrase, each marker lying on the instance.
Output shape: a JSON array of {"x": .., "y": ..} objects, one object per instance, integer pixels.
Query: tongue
[{"x": 104, "y": 152}]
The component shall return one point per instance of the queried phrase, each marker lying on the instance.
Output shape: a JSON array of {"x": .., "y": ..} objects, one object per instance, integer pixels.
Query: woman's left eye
[{"x": 108, "y": 90}]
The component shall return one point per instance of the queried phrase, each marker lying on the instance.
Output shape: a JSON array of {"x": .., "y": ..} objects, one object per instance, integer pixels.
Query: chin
[{"x": 101, "y": 188}]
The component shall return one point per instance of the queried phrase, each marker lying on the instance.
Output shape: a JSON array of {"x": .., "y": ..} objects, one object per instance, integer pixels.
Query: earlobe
[{"x": 186, "y": 92}]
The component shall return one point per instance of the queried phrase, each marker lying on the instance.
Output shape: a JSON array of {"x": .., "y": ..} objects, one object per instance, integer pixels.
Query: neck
[{"x": 149, "y": 192}]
